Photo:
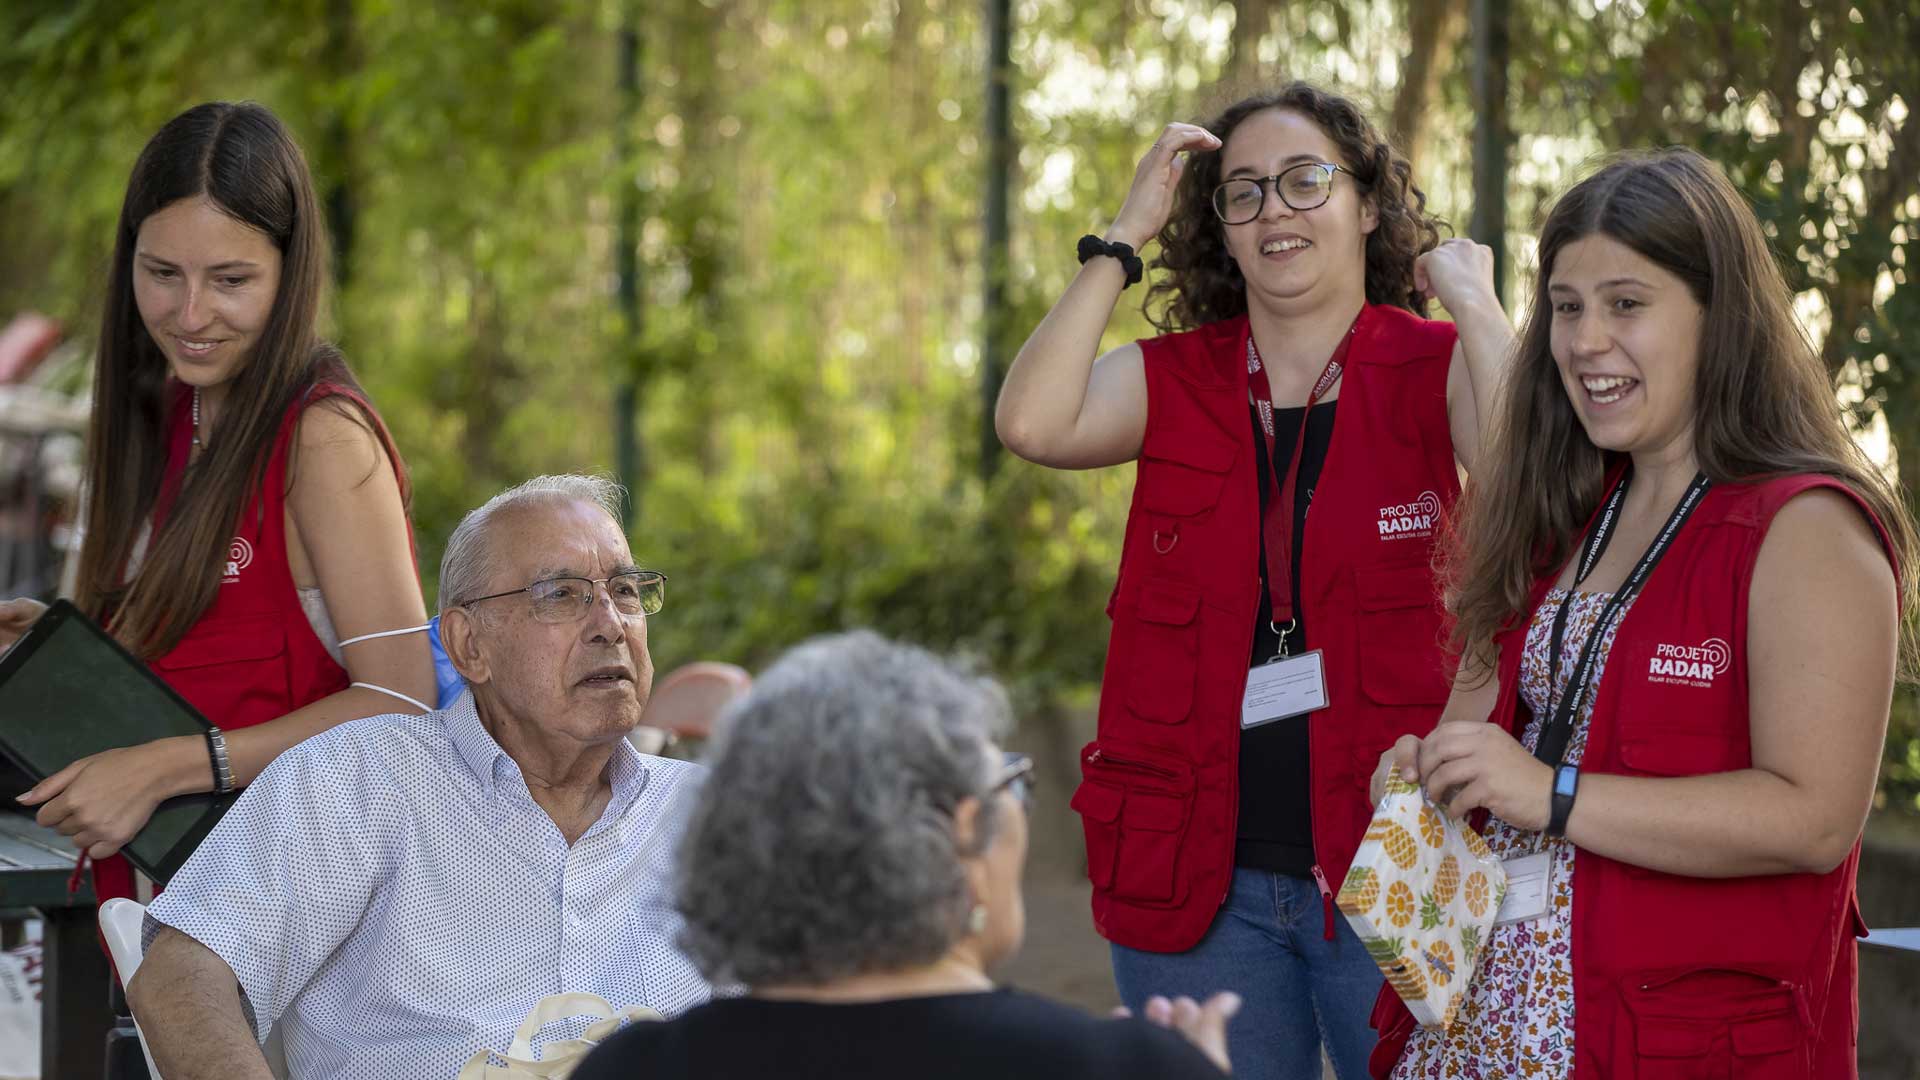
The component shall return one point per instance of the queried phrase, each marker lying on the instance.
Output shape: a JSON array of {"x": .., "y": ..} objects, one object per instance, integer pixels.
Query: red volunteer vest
[
  {"x": 1682, "y": 976},
  {"x": 1160, "y": 786},
  {"x": 252, "y": 657}
]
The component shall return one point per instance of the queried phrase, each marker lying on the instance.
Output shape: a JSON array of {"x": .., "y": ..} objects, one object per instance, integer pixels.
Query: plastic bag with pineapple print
[{"x": 1422, "y": 895}]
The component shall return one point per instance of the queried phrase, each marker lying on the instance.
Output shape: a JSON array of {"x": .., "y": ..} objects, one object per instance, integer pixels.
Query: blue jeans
[{"x": 1299, "y": 992}]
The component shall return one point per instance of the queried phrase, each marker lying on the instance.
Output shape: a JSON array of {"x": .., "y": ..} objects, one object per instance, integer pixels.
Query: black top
[
  {"x": 1276, "y": 807},
  {"x": 1001, "y": 1034}
]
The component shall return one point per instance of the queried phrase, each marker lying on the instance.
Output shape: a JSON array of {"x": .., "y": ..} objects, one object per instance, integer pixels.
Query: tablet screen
[{"x": 67, "y": 690}]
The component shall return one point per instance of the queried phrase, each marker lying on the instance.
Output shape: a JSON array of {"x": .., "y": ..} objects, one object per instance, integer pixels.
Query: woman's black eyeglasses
[
  {"x": 1016, "y": 776},
  {"x": 1306, "y": 186}
]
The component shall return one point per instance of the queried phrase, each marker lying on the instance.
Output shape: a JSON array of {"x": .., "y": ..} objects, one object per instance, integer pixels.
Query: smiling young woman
[
  {"x": 1678, "y": 588},
  {"x": 246, "y": 511},
  {"x": 1298, "y": 258}
]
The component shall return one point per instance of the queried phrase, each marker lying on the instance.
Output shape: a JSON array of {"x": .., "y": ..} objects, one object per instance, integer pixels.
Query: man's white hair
[{"x": 468, "y": 562}]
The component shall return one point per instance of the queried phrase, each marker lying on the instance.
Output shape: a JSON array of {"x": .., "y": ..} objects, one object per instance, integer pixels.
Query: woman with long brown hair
[
  {"x": 1677, "y": 585},
  {"x": 1252, "y": 677},
  {"x": 246, "y": 527}
]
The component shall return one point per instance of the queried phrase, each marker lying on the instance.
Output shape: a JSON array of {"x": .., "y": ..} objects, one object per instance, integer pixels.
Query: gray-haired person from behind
[{"x": 854, "y": 861}]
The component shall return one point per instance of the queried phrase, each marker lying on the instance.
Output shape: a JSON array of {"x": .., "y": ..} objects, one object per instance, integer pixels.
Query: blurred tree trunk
[
  {"x": 1252, "y": 20},
  {"x": 489, "y": 374},
  {"x": 626, "y": 261},
  {"x": 339, "y": 195},
  {"x": 999, "y": 137},
  {"x": 1434, "y": 28},
  {"x": 1491, "y": 136}
]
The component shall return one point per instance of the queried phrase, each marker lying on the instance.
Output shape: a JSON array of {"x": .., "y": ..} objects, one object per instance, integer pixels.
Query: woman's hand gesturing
[{"x": 1150, "y": 200}]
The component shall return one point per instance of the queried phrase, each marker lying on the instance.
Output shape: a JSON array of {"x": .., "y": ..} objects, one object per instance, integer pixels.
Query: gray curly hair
[{"x": 822, "y": 844}]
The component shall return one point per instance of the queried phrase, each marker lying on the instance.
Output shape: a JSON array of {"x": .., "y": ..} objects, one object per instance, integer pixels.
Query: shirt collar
[
  {"x": 626, "y": 769},
  {"x": 470, "y": 739}
]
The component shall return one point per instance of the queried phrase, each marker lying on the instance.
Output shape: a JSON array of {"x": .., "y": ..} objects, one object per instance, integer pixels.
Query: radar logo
[
  {"x": 239, "y": 557},
  {"x": 1689, "y": 665}
]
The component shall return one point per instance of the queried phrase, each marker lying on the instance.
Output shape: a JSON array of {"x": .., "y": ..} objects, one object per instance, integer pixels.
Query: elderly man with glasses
[{"x": 397, "y": 893}]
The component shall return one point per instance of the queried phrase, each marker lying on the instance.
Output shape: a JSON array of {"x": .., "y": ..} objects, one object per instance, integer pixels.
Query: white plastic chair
[
  {"x": 121, "y": 921},
  {"x": 686, "y": 702}
]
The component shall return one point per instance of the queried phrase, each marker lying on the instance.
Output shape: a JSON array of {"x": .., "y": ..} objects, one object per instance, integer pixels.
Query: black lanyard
[{"x": 1558, "y": 730}]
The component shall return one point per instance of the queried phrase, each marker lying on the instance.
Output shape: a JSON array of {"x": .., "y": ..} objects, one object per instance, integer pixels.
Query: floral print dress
[{"x": 1517, "y": 1019}]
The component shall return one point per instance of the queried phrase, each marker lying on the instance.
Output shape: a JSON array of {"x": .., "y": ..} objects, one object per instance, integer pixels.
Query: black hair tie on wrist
[{"x": 1091, "y": 246}]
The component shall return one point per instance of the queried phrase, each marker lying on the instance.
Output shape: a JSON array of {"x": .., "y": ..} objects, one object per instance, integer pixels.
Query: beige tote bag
[{"x": 559, "y": 1057}]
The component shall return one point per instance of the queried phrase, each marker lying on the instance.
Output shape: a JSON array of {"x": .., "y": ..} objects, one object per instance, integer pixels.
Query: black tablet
[{"x": 67, "y": 689}]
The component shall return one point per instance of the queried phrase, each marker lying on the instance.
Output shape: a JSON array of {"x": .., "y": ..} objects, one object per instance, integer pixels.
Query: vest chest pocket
[
  {"x": 1165, "y": 653},
  {"x": 1705, "y": 1022},
  {"x": 1183, "y": 478},
  {"x": 234, "y": 670},
  {"x": 1650, "y": 750},
  {"x": 1400, "y": 652},
  {"x": 1134, "y": 804}
]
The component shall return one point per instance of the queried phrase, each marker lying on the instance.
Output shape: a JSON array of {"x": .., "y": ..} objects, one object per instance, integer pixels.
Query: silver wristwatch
[{"x": 222, "y": 768}]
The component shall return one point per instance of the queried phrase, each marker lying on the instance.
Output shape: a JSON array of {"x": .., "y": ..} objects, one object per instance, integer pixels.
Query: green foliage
[
  {"x": 1900, "y": 768},
  {"x": 806, "y": 182}
]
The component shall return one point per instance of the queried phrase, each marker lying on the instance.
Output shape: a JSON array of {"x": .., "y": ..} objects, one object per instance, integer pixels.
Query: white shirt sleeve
[{"x": 287, "y": 874}]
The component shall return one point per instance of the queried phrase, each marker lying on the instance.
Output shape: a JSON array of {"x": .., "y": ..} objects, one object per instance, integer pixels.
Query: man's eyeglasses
[
  {"x": 1016, "y": 776},
  {"x": 566, "y": 599},
  {"x": 1306, "y": 186}
]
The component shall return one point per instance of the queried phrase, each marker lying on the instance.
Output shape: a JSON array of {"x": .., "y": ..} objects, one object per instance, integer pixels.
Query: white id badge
[
  {"x": 1285, "y": 687},
  {"x": 1529, "y": 888}
]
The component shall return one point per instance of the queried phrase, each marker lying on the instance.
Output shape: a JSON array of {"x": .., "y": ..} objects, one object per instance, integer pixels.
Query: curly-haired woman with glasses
[{"x": 1262, "y": 657}]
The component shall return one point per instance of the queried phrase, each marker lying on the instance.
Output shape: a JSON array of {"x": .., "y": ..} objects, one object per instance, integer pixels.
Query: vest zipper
[
  {"x": 1326, "y": 902},
  {"x": 1101, "y": 757}
]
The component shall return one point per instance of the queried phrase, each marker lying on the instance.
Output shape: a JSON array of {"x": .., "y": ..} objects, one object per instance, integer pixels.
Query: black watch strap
[
  {"x": 1566, "y": 784},
  {"x": 1092, "y": 246}
]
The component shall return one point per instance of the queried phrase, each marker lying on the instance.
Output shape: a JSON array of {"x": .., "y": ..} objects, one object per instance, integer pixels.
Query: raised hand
[
  {"x": 1203, "y": 1024},
  {"x": 1457, "y": 273},
  {"x": 1150, "y": 200}
]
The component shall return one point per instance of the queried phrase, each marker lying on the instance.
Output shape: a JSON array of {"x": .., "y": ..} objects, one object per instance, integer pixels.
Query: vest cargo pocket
[
  {"x": 1713, "y": 1022},
  {"x": 1099, "y": 808},
  {"x": 1135, "y": 805},
  {"x": 1183, "y": 478},
  {"x": 1665, "y": 750},
  {"x": 1401, "y": 658},
  {"x": 232, "y": 667},
  {"x": 1165, "y": 652}
]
